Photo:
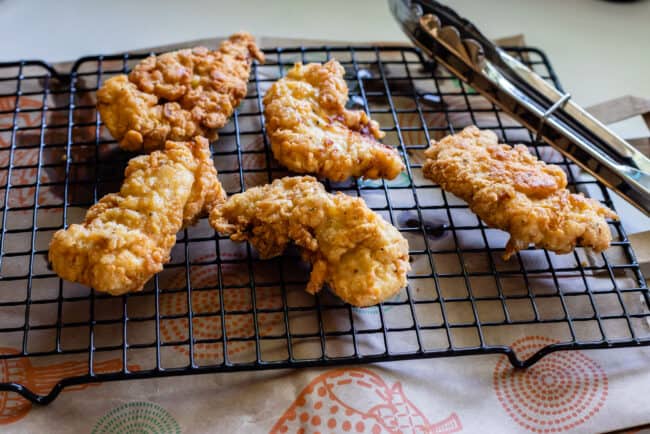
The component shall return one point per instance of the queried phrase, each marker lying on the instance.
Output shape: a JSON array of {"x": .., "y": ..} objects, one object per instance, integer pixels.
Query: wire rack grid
[{"x": 217, "y": 307}]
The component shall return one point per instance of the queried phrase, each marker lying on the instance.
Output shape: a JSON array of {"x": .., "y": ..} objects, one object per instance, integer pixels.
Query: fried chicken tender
[
  {"x": 510, "y": 189},
  {"x": 178, "y": 95},
  {"x": 312, "y": 132},
  {"x": 128, "y": 236},
  {"x": 362, "y": 258}
]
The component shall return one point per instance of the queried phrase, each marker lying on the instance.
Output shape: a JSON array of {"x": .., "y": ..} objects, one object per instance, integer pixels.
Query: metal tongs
[{"x": 457, "y": 44}]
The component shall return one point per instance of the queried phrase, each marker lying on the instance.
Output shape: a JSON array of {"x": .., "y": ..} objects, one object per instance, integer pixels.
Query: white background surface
[{"x": 599, "y": 49}]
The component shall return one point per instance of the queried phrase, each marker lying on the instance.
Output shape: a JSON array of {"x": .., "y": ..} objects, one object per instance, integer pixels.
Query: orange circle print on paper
[
  {"x": 23, "y": 193},
  {"x": 556, "y": 394},
  {"x": 357, "y": 401},
  {"x": 207, "y": 302}
]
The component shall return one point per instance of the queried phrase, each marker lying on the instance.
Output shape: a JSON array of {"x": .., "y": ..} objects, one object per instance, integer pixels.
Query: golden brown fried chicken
[
  {"x": 127, "y": 236},
  {"x": 363, "y": 258},
  {"x": 312, "y": 132},
  {"x": 510, "y": 189},
  {"x": 178, "y": 95}
]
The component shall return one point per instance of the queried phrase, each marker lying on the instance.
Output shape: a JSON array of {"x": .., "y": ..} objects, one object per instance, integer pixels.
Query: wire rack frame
[{"x": 74, "y": 163}]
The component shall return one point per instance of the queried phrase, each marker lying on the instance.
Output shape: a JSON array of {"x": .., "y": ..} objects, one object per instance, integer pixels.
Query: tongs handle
[{"x": 458, "y": 45}]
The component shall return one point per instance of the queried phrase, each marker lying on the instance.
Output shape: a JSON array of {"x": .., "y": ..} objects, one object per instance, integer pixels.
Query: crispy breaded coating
[
  {"x": 178, "y": 95},
  {"x": 361, "y": 256},
  {"x": 127, "y": 236},
  {"x": 510, "y": 189},
  {"x": 312, "y": 132}
]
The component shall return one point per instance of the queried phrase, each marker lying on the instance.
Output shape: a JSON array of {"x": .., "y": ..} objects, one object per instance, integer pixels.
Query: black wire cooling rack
[{"x": 217, "y": 307}]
